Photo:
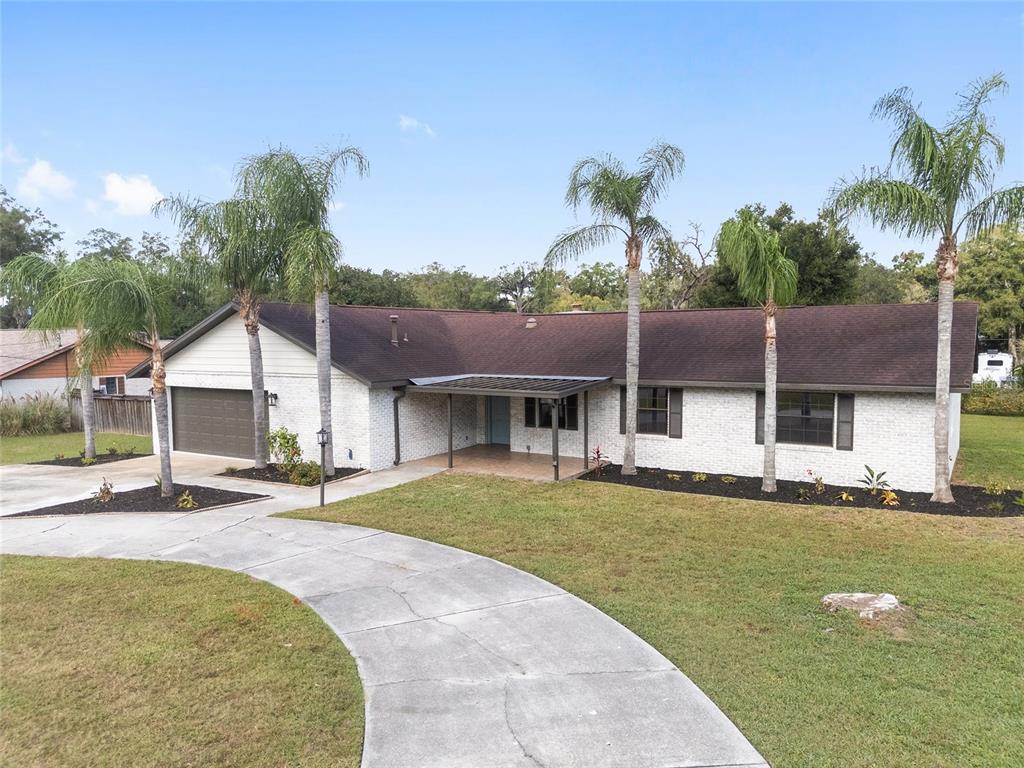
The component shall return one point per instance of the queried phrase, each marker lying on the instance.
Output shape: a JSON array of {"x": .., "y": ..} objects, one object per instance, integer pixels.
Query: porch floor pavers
[
  {"x": 499, "y": 460},
  {"x": 464, "y": 661}
]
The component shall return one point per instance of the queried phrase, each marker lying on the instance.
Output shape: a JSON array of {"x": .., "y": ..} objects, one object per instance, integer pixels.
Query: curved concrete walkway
[{"x": 465, "y": 661}]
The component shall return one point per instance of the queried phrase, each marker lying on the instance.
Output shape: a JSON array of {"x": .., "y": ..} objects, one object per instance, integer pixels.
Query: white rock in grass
[{"x": 869, "y": 605}]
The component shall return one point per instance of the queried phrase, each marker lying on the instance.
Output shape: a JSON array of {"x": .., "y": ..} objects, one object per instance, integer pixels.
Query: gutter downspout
[{"x": 399, "y": 393}]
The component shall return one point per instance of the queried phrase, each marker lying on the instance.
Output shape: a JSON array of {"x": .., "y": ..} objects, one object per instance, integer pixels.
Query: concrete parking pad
[{"x": 466, "y": 662}]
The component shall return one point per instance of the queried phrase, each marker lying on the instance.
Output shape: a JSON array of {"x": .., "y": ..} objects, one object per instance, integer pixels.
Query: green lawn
[
  {"x": 730, "y": 591},
  {"x": 991, "y": 451},
  {"x": 22, "y": 450},
  {"x": 117, "y": 663}
]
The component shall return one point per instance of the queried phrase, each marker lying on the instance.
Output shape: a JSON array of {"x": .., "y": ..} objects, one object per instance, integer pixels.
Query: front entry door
[{"x": 499, "y": 422}]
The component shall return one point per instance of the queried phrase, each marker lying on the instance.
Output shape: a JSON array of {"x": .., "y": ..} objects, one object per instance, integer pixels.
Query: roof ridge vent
[{"x": 531, "y": 322}]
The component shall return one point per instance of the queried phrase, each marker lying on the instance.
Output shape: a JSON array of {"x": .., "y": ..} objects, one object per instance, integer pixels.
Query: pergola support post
[
  {"x": 554, "y": 437},
  {"x": 451, "y": 456},
  {"x": 586, "y": 430}
]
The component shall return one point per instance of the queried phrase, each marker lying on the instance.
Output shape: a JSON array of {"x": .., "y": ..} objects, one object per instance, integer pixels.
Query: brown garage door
[{"x": 217, "y": 421}]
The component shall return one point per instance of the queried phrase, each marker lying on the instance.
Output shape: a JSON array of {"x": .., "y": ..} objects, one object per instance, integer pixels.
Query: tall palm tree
[
  {"x": 247, "y": 250},
  {"x": 622, "y": 202},
  {"x": 767, "y": 278},
  {"x": 939, "y": 183},
  {"x": 298, "y": 192},
  {"x": 35, "y": 276}
]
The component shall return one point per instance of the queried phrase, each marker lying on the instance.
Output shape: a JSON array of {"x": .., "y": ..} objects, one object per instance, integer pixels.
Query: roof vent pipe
[
  {"x": 394, "y": 330},
  {"x": 531, "y": 322}
]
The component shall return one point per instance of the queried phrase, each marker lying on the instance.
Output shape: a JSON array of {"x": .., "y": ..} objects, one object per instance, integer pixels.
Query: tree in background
[
  {"x": 939, "y": 184},
  {"x": 352, "y": 285},
  {"x": 515, "y": 285},
  {"x": 875, "y": 283},
  {"x": 825, "y": 253},
  {"x": 766, "y": 277},
  {"x": 623, "y": 203},
  {"x": 679, "y": 271},
  {"x": 246, "y": 249},
  {"x": 22, "y": 231},
  {"x": 103, "y": 244},
  {"x": 438, "y": 286},
  {"x": 298, "y": 192},
  {"x": 992, "y": 274}
]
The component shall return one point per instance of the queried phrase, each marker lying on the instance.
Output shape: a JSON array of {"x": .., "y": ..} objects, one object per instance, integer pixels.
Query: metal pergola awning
[
  {"x": 509, "y": 386},
  {"x": 554, "y": 388}
]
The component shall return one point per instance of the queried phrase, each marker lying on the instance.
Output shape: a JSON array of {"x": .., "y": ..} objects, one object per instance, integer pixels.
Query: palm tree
[
  {"x": 247, "y": 252},
  {"x": 767, "y": 278},
  {"x": 35, "y": 276},
  {"x": 298, "y": 193},
  {"x": 622, "y": 202},
  {"x": 939, "y": 183}
]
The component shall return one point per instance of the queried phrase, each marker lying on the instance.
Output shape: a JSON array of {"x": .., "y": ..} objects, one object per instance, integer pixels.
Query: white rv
[{"x": 994, "y": 365}]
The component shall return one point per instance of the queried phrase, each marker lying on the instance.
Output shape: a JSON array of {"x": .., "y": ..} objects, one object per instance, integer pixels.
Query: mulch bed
[
  {"x": 101, "y": 458},
  {"x": 971, "y": 501},
  {"x": 274, "y": 474},
  {"x": 146, "y": 499}
]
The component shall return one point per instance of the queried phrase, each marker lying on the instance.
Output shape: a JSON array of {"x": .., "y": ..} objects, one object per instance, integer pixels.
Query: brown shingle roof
[{"x": 882, "y": 346}]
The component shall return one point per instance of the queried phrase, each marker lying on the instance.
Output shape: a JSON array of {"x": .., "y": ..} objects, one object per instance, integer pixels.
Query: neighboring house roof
[
  {"x": 881, "y": 346},
  {"x": 117, "y": 364},
  {"x": 21, "y": 346}
]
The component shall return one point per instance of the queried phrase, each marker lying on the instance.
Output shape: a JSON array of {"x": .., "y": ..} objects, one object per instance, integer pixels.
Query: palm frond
[
  {"x": 659, "y": 165},
  {"x": 650, "y": 230},
  {"x": 764, "y": 274},
  {"x": 915, "y": 142},
  {"x": 1004, "y": 206},
  {"x": 310, "y": 260},
  {"x": 575, "y": 242},
  {"x": 890, "y": 204}
]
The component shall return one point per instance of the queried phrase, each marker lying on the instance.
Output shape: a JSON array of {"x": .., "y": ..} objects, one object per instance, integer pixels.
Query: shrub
[
  {"x": 873, "y": 481},
  {"x": 87, "y": 461},
  {"x": 42, "y": 414},
  {"x": 106, "y": 491},
  {"x": 185, "y": 500},
  {"x": 284, "y": 448},
  {"x": 889, "y": 498},
  {"x": 304, "y": 473},
  {"x": 989, "y": 399},
  {"x": 728, "y": 479},
  {"x": 699, "y": 477}
]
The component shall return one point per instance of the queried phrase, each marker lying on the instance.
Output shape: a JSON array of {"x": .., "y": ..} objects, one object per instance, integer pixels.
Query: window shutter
[
  {"x": 675, "y": 412},
  {"x": 759, "y": 419},
  {"x": 844, "y": 422},
  {"x": 622, "y": 410},
  {"x": 531, "y": 411}
]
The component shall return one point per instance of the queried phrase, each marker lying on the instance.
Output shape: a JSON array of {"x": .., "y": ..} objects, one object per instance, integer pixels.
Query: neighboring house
[
  {"x": 856, "y": 386},
  {"x": 996, "y": 366},
  {"x": 34, "y": 364}
]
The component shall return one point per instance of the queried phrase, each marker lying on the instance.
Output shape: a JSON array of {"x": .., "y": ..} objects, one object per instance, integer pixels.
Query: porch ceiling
[{"x": 513, "y": 386}]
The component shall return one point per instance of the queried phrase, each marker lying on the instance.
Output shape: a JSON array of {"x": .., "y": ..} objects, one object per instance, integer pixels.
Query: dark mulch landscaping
[
  {"x": 101, "y": 458},
  {"x": 146, "y": 499},
  {"x": 971, "y": 501},
  {"x": 274, "y": 474}
]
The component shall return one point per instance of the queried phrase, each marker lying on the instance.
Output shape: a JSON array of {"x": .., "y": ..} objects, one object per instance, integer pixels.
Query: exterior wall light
[{"x": 271, "y": 398}]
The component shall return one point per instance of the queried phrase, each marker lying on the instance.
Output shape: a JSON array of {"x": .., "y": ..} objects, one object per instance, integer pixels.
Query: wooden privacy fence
[{"x": 128, "y": 414}]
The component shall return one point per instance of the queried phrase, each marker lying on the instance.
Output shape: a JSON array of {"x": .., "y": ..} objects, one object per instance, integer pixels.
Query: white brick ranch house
[{"x": 856, "y": 386}]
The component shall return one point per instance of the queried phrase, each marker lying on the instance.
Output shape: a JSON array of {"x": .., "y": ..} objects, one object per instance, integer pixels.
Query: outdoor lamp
[
  {"x": 321, "y": 435},
  {"x": 271, "y": 398}
]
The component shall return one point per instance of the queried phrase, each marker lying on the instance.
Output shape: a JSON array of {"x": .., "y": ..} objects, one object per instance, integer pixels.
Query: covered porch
[{"x": 496, "y": 457}]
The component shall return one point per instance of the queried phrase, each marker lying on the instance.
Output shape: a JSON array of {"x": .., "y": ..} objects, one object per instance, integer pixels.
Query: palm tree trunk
[
  {"x": 323, "y": 372},
  {"x": 88, "y": 403},
  {"x": 249, "y": 309},
  {"x": 771, "y": 375},
  {"x": 159, "y": 379},
  {"x": 946, "y": 262},
  {"x": 633, "y": 256}
]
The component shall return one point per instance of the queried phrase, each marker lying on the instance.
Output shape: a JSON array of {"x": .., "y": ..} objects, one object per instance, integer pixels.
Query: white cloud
[
  {"x": 411, "y": 125},
  {"x": 10, "y": 155},
  {"x": 131, "y": 195},
  {"x": 42, "y": 180}
]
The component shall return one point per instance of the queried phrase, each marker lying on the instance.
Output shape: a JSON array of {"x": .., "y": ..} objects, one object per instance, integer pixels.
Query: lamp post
[{"x": 322, "y": 437}]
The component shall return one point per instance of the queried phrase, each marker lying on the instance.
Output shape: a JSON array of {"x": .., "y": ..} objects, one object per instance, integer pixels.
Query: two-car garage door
[{"x": 217, "y": 421}]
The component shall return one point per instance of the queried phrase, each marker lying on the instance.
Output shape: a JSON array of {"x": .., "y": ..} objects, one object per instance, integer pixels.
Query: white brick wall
[
  {"x": 423, "y": 421},
  {"x": 892, "y": 433}
]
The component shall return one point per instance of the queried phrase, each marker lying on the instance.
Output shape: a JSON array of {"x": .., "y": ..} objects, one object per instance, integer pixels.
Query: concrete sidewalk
[{"x": 465, "y": 662}]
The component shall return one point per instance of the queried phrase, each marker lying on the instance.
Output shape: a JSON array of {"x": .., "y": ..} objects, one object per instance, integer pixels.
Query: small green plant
[
  {"x": 81, "y": 454},
  {"x": 844, "y": 496},
  {"x": 699, "y": 477},
  {"x": 873, "y": 481},
  {"x": 889, "y": 498},
  {"x": 230, "y": 470},
  {"x": 284, "y": 448},
  {"x": 58, "y": 456},
  {"x": 106, "y": 491},
  {"x": 131, "y": 450},
  {"x": 87, "y": 462},
  {"x": 995, "y": 488},
  {"x": 673, "y": 476},
  {"x": 1019, "y": 501},
  {"x": 112, "y": 450},
  {"x": 598, "y": 458},
  {"x": 804, "y": 494},
  {"x": 158, "y": 482},
  {"x": 995, "y": 506},
  {"x": 728, "y": 479},
  {"x": 304, "y": 473},
  {"x": 185, "y": 500}
]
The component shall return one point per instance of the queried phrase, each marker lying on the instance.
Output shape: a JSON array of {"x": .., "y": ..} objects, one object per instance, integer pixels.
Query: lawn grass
[
  {"x": 991, "y": 451},
  {"x": 729, "y": 591},
  {"x": 118, "y": 663},
  {"x": 23, "y": 450}
]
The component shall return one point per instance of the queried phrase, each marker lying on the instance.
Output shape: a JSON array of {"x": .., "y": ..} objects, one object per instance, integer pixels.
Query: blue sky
[{"x": 473, "y": 114}]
